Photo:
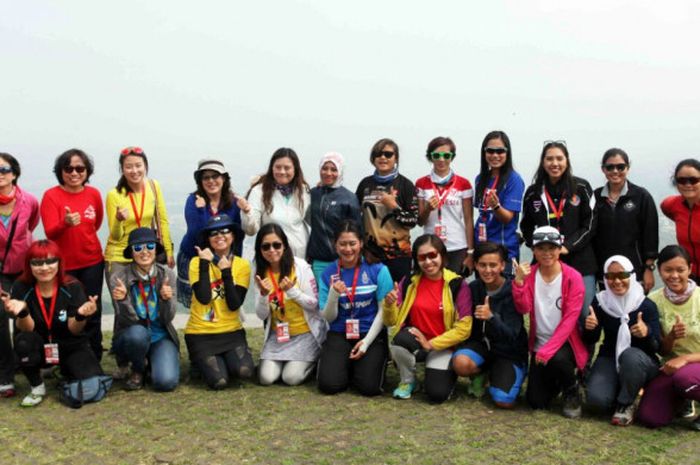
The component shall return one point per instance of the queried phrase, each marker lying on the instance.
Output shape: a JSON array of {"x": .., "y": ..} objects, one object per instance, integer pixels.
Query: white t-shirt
[
  {"x": 451, "y": 212},
  {"x": 547, "y": 308}
]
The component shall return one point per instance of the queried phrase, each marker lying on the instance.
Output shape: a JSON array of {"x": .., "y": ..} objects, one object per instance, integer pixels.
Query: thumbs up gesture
[
  {"x": 522, "y": 271},
  {"x": 243, "y": 204},
  {"x": 339, "y": 286},
  {"x": 204, "y": 254},
  {"x": 286, "y": 283},
  {"x": 639, "y": 329},
  {"x": 71, "y": 219},
  {"x": 264, "y": 285},
  {"x": 483, "y": 312},
  {"x": 122, "y": 213},
  {"x": 119, "y": 290},
  {"x": 199, "y": 201},
  {"x": 678, "y": 329},
  {"x": 166, "y": 290},
  {"x": 591, "y": 320},
  {"x": 392, "y": 296}
]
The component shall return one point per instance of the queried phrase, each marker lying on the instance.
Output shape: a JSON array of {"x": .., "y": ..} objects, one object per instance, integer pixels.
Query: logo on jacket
[
  {"x": 575, "y": 200},
  {"x": 558, "y": 303},
  {"x": 629, "y": 206},
  {"x": 537, "y": 205},
  {"x": 365, "y": 278},
  {"x": 62, "y": 316},
  {"x": 89, "y": 213}
]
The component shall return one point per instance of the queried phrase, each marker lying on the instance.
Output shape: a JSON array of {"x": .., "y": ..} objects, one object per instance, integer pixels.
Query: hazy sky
[{"x": 239, "y": 79}]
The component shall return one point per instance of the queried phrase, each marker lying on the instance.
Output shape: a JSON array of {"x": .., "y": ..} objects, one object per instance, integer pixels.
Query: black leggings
[
  {"x": 236, "y": 361},
  {"x": 545, "y": 382},
  {"x": 92, "y": 278},
  {"x": 336, "y": 371}
]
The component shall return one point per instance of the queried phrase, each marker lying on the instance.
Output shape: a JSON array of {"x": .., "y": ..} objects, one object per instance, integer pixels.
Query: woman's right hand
[
  {"x": 13, "y": 306},
  {"x": 119, "y": 291},
  {"x": 71, "y": 219},
  {"x": 522, "y": 271},
  {"x": 392, "y": 296},
  {"x": 264, "y": 285},
  {"x": 204, "y": 254},
  {"x": 591, "y": 320},
  {"x": 340, "y": 287},
  {"x": 678, "y": 329},
  {"x": 199, "y": 201},
  {"x": 243, "y": 204},
  {"x": 433, "y": 203},
  {"x": 122, "y": 213}
]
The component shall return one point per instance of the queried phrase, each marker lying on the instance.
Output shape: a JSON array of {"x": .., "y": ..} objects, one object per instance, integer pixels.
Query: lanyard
[
  {"x": 277, "y": 293},
  {"x": 138, "y": 214},
  {"x": 442, "y": 194},
  {"x": 351, "y": 294},
  {"x": 48, "y": 317},
  {"x": 146, "y": 298},
  {"x": 557, "y": 212},
  {"x": 484, "y": 210}
]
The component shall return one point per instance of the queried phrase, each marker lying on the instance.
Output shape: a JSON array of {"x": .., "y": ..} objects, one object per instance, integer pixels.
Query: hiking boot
[
  {"x": 572, "y": 402},
  {"x": 477, "y": 386},
  {"x": 135, "y": 382},
  {"x": 7, "y": 390},
  {"x": 689, "y": 411},
  {"x": 624, "y": 414},
  {"x": 120, "y": 373},
  {"x": 404, "y": 390},
  {"x": 35, "y": 397}
]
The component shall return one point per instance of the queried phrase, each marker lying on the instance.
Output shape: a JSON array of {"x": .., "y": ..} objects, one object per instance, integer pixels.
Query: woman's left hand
[
  {"x": 389, "y": 201},
  {"x": 88, "y": 308},
  {"x": 648, "y": 280},
  {"x": 420, "y": 337},
  {"x": 171, "y": 261},
  {"x": 357, "y": 353},
  {"x": 639, "y": 329},
  {"x": 286, "y": 283},
  {"x": 674, "y": 365},
  {"x": 166, "y": 291}
]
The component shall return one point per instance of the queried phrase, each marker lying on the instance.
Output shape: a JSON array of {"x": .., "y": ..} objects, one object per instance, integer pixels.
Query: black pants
[
  {"x": 76, "y": 361},
  {"x": 336, "y": 371},
  {"x": 92, "y": 278},
  {"x": 7, "y": 356},
  {"x": 233, "y": 360},
  {"x": 545, "y": 382}
]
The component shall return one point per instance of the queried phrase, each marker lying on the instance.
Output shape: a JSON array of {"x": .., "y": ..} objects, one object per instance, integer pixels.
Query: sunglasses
[
  {"x": 5, "y": 169},
  {"x": 80, "y": 169},
  {"x": 425, "y": 256},
  {"x": 687, "y": 180},
  {"x": 219, "y": 232},
  {"x": 211, "y": 177},
  {"x": 43, "y": 261},
  {"x": 619, "y": 275},
  {"x": 266, "y": 246},
  {"x": 435, "y": 156},
  {"x": 496, "y": 150},
  {"x": 130, "y": 150},
  {"x": 548, "y": 236},
  {"x": 140, "y": 247},
  {"x": 615, "y": 167},
  {"x": 554, "y": 142},
  {"x": 385, "y": 154}
]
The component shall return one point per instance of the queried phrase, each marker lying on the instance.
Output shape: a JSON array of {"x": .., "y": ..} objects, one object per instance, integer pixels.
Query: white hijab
[
  {"x": 338, "y": 161},
  {"x": 620, "y": 306}
]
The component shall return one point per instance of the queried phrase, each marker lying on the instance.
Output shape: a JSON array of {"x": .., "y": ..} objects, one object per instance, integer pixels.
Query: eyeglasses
[
  {"x": 425, "y": 256},
  {"x": 80, "y": 169},
  {"x": 211, "y": 177},
  {"x": 615, "y": 167},
  {"x": 554, "y": 142},
  {"x": 37, "y": 262},
  {"x": 496, "y": 150},
  {"x": 266, "y": 246},
  {"x": 547, "y": 236},
  {"x": 219, "y": 232},
  {"x": 130, "y": 150},
  {"x": 5, "y": 169},
  {"x": 687, "y": 180},
  {"x": 610, "y": 276},
  {"x": 139, "y": 247},
  {"x": 385, "y": 154},
  {"x": 435, "y": 156}
]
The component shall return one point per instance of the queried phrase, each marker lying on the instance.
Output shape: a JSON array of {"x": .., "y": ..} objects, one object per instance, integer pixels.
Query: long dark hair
[
  {"x": 299, "y": 185},
  {"x": 437, "y": 244},
  {"x": 227, "y": 196},
  {"x": 122, "y": 184},
  {"x": 541, "y": 175},
  {"x": 287, "y": 261},
  {"x": 485, "y": 170}
]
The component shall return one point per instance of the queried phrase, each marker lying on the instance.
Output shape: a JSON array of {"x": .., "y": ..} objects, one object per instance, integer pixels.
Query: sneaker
[
  {"x": 689, "y": 411},
  {"x": 477, "y": 386},
  {"x": 404, "y": 390},
  {"x": 572, "y": 403},
  {"x": 135, "y": 382},
  {"x": 7, "y": 390},
  {"x": 121, "y": 373},
  {"x": 35, "y": 397},
  {"x": 624, "y": 414}
]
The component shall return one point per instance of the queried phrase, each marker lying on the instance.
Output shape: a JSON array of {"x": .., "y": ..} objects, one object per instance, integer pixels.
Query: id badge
[
  {"x": 282, "y": 332},
  {"x": 441, "y": 232},
  {"x": 352, "y": 328},
  {"x": 482, "y": 232},
  {"x": 51, "y": 354}
]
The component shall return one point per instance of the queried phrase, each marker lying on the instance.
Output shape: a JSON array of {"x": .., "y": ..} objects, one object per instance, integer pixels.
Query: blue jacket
[
  {"x": 329, "y": 206},
  {"x": 197, "y": 219}
]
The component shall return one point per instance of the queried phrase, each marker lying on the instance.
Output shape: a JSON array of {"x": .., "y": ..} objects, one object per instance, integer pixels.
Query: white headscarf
[
  {"x": 338, "y": 161},
  {"x": 620, "y": 306}
]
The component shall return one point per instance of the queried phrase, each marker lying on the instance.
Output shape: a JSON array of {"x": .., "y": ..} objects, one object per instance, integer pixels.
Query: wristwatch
[{"x": 650, "y": 267}]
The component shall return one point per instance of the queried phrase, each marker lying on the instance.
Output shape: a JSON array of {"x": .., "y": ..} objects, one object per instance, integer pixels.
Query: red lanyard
[
  {"x": 442, "y": 194},
  {"x": 279, "y": 293},
  {"x": 557, "y": 212},
  {"x": 48, "y": 317},
  {"x": 146, "y": 298},
  {"x": 138, "y": 214},
  {"x": 351, "y": 294}
]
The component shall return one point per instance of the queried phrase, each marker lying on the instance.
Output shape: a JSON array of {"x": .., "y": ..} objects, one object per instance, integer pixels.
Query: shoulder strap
[
  {"x": 455, "y": 286},
  {"x": 155, "y": 220},
  {"x": 9, "y": 242}
]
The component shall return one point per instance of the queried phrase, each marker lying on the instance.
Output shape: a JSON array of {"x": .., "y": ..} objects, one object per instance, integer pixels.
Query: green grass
[{"x": 283, "y": 425}]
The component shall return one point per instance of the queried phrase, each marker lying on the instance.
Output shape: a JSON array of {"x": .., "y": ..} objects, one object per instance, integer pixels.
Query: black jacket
[{"x": 329, "y": 207}]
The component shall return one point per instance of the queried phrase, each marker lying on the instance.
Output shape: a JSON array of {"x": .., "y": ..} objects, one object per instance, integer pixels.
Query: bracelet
[
  {"x": 23, "y": 314},
  {"x": 79, "y": 317},
  {"x": 497, "y": 207},
  {"x": 470, "y": 251}
]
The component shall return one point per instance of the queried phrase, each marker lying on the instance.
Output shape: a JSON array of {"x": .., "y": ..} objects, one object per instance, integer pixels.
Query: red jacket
[{"x": 687, "y": 227}]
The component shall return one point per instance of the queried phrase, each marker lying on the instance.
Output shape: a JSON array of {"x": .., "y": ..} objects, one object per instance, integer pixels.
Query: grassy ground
[{"x": 282, "y": 425}]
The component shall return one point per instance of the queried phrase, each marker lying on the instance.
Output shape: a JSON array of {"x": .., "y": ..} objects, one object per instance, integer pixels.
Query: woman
[
  {"x": 497, "y": 345},
  {"x": 558, "y": 198},
  {"x": 627, "y": 358},
  {"x": 50, "y": 310},
  {"x": 551, "y": 292},
  {"x": 212, "y": 197},
  {"x": 445, "y": 205},
  {"x": 679, "y": 310},
  {"x": 682, "y": 211},
  {"x": 431, "y": 314},
  {"x": 72, "y": 213},
  {"x": 280, "y": 196},
  {"x": 216, "y": 340},
  {"x": 287, "y": 301},
  {"x": 143, "y": 320},
  {"x": 626, "y": 220},
  {"x": 331, "y": 203},
  {"x": 19, "y": 216},
  {"x": 351, "y": 291},
  {"x": 389, "y": 210},
  {"x": 498, "y": 197}
]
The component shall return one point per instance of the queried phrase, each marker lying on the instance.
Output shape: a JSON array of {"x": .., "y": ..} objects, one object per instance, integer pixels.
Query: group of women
[{"x": 342, "y": 288}]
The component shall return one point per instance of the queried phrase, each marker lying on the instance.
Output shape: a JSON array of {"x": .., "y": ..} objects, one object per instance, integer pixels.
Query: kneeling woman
[
  {"x": 627, "y": 358},
  {"x": 287, "y": 301},
  {"x": 216, "y": 340},
  {"x": 431, "y": 314},
  {"x": 351, "y": 290},
  {"x": 143, "y": 326},
  {"x": 50, "y": 310}
]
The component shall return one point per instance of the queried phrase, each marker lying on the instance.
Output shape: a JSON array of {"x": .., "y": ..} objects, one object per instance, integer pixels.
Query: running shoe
[{"x": 404, "y": 390}]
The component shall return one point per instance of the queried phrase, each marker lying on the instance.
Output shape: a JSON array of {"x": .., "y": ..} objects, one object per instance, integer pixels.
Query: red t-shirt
[
  {"x": 687, "y": 227},
  {"x": 427, "y": 313},
  {"x": 80, "y": 246}
]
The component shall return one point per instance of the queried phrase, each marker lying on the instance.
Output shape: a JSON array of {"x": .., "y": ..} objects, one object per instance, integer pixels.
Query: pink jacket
[
  {"x": 26, "y": 213},
  {"x": 572, "y": 293}
]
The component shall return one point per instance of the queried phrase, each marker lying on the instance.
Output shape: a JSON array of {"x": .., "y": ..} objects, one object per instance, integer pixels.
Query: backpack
[{"x": 76, "y": 393}]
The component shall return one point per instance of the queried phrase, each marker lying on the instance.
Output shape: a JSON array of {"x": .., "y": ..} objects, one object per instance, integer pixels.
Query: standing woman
[
  {"x": 498, "y": 197},
  {"x": 72, "y": 214},
  {"x": 389, "y": 210},
  {"x": 351, "y": 293},
  {"x": 280, "y": 196},
  {"x": 19, "y": 216},
  {"x": 445, "y": 205},
  {"x": 212, "y": 197},
  {"x": 626, "y": 220},
  {"x": 684, "y": 211},
  {"x": 559, "y": 199},
  {"x": 288, "y": 302},
  {"x": 679, "y": 310},
  {"x": 331, "y": 203}
]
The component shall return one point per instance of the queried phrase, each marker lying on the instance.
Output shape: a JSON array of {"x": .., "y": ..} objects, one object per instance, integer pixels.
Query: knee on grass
[{"x": 465, "y": 366}]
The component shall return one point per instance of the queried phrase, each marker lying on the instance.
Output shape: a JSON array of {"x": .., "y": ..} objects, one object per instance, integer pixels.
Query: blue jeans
[{"x": 134, "y": 344}]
